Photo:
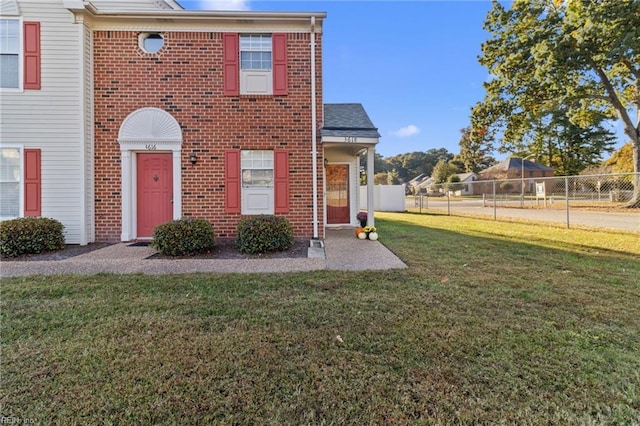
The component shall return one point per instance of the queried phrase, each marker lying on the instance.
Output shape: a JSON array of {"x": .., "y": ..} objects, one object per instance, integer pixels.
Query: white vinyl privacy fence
[
  {"x": 595, "y": 200},
  {"x": 388, "y": 198}
]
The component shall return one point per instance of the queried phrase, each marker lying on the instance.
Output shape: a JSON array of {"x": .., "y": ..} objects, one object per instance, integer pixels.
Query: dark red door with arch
[{"x": 154, "y": 192}]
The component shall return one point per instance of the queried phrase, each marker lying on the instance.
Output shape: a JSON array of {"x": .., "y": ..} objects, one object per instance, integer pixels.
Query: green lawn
[{"x": 492, "y": 322}]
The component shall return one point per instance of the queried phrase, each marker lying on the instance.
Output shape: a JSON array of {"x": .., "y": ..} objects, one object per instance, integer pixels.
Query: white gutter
[{"x": 314, "y": 142}]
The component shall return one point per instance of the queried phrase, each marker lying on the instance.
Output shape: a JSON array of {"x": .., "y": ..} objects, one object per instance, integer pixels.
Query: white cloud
[
  {"x": 223, "y": 5},
  {"x": 406, "y": 131}
]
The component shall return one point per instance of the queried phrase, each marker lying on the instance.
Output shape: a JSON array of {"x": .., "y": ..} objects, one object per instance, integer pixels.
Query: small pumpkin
[
  {"x": 359, "y": 229},
  {"x": 373, "y": 236},
  {"x": 362, "y": 235}
]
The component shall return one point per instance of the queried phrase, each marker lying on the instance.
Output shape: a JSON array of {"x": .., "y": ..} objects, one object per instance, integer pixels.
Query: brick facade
[{"x": 185, "y": 79}]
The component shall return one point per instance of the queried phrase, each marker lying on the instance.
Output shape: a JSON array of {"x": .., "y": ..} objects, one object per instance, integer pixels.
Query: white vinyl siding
[
  {"x": 50, "y": 119},
  {"x": 87, "y": 94}
]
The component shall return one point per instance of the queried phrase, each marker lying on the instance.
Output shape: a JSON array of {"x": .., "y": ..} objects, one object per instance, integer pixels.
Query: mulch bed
[
  {"x": 69, "y": 251},
  {"x": 222, "y": 250}
]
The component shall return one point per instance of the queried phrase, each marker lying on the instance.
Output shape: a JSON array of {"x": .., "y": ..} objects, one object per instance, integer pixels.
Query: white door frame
[{"x": 147, "y": 130}]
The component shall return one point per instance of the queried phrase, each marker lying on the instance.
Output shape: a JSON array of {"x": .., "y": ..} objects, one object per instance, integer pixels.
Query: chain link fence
[{"x": 595, "y": 201}]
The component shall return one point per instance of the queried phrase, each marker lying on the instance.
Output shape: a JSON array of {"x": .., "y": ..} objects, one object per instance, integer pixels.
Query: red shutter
[
  {"x": 31, "y": 55},
  {"x": 231, "y": 66},
  {"x": 280, "y": 81},
  {"x": 32, "y": 191},
  {"x": 232, "y": 181},
  {"x": 281, "y": 181}
]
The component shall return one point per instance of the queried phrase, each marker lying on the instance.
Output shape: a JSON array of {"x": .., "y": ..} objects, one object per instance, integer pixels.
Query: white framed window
[
  {"x": 10, "y": 46},
  {"x": 257, "y": 181},
  {"x": 10, "y": 182},
  {"x": 256, "y": 64}
]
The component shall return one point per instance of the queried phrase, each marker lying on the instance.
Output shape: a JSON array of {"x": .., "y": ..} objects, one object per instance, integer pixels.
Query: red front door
[
  {"x": 337, "y": 193},
  {"x": 155, "y": 191}
]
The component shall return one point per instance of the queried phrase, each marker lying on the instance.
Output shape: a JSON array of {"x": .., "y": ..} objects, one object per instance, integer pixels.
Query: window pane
[
  {"x": 9, "y": 36},
  {"x": 255, "y": 42},
  {"x": 9, "y": 71},
  {"x": 257, "y": 177},
  {"x": 9, "y": 183},
  {"x": 9, "y": 200},
  {"x": 257, "y": 168},
  {"x": 10, "y": 165},
  {"x": 255, "y": 52},
  {"x": 257, "y": 159},
  {"x": 152, "y": 43}
]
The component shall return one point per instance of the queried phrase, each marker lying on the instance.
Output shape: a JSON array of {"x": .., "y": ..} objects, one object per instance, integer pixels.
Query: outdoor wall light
[{"x": 193, "y": 158}]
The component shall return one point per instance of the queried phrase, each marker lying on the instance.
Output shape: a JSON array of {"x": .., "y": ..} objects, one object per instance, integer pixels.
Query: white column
[
  {"x": 177, "y": 184},
  {"x": 125, "y": 195},
  {"x": 370, "y": 163}
]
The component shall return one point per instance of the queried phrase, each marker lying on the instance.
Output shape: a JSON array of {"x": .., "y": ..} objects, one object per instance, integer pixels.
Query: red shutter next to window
[
  {"x": 31, "y": 55},
  {"x": 281, "y": 181},
  {"x": 32, "y": 183},
  {"x": 232, "y": 181},
  {"x": 280, "y": 81},
  {"x": 230, "y": 64}
]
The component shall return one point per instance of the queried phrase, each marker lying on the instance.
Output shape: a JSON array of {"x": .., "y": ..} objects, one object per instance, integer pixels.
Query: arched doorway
[{"x": 150, "y": 145}]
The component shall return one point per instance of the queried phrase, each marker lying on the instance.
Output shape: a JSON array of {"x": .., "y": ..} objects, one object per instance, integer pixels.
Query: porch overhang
[{"x": 349, "y": 145}]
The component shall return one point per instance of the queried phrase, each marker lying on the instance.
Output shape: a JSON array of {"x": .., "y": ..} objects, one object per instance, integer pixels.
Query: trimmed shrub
[
  {"x": 263, "y": 234},
  {"x": 30, "y": 235},
  {"x": 183, "y": 237}
]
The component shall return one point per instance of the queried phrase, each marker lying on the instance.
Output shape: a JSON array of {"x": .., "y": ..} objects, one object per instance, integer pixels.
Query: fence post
[
  {"x": 566, "y": 195},
  {"x": 448, "y": 203},
  {"x": 495, "y": 217}
]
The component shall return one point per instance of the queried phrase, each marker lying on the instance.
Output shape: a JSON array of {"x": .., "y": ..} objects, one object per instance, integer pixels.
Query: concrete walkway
[{"x": 342, "y": 251}]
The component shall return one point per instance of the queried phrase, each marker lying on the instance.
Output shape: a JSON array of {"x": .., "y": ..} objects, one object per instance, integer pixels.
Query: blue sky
[{"x": 411, "y": 64}]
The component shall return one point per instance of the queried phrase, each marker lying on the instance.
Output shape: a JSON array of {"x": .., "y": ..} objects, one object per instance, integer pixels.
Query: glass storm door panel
[
  {"x": 155, "y": 191},
  {"x": 337, "y": 193}
]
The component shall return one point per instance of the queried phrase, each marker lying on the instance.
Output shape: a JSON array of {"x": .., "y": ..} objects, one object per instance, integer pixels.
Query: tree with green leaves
[
  {"x": 569, "y": 148},
  {"x": 578, "y": 57},
  {"x": 442, "y": 171},
  {"x": 454, "y": 183},
  {"x": 622, "y": 160},
  {"x": 474, "y": 152},
  {"x": 393, "y": 178},
  {"x": 412, "y": 164}
]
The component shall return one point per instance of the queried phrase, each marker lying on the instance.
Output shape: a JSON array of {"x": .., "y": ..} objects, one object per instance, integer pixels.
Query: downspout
[{"x": 314, "y": 142}]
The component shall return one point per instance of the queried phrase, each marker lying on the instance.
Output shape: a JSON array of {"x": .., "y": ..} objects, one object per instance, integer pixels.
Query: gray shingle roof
[
  {"x": 515, "y": 163},
  {"x": 347, "y": 120}
]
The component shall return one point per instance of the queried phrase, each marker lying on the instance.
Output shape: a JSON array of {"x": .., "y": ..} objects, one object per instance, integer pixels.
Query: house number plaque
[
  {"x": 350, "y": 139},
  {"x": 150, "y": 147}
]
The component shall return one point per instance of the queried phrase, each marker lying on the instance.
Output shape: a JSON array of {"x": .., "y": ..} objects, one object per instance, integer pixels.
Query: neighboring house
[
  {"x": 412, "y": 185},
  {"x": 44, "y": 161},
  {"x": 120, "y": 115},
  {"x": 521, "y": 171},
  {"x": 426, "y": 186},
  {"x": 466, "y": 184}
]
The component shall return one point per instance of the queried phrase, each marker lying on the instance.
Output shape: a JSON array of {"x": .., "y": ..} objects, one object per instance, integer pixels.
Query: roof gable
[{"x": 516, "y": 163}]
